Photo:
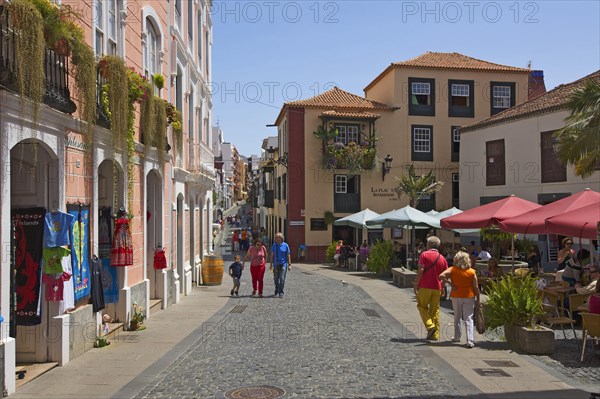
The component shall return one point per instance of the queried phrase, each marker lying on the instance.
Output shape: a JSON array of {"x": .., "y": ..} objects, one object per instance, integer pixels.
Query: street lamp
[
  {"x": 386, "y": 166},
  {"x": 280, "y": 161}
]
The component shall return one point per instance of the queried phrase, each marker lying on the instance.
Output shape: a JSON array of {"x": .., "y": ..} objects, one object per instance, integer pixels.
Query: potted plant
[
  {"x": 380, "y": 259},
  {"x": 514, "y": 303},
  {"x": 137, "y": 318}
]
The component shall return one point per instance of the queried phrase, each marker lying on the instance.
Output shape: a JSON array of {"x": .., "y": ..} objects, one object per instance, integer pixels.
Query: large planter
[
  {"x": 536, "y": 341},
  {"x": 511, "y": 334}
]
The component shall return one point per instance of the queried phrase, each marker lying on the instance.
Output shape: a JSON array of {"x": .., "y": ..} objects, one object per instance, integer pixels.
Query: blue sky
[{"x": 268, "y": 52}]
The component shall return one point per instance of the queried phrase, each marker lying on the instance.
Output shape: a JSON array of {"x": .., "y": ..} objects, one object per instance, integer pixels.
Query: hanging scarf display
[
  {"x": 80, "y": 249},
  {"x": 28, "y": 234}
]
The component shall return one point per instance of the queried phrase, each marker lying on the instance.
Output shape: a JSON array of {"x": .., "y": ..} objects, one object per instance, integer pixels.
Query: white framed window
[
  {"x": 501, "y": 96},
  {"x": 107, "y": 28},
  {"x": 460, "y": 90},
  {"x": 178, "y": 13},
  {"x": 190, "y": 23},
  {"x": 151, "y": 50},
  {"x": 341, "y": 136},
  {"x": 455, "y": 135},
  {"x": 341, "y": 184},
  {"x": 421, "y": 88},
  {"x": 199, "y": 40},
  {"x": 353, "y": 134},
  {"x": 347, "y": 134},
  {"x": 422, "y": 139}
]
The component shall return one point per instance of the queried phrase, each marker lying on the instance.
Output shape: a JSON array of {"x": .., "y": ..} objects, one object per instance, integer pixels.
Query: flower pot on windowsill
[
  {"x": 134, "y": 325},
  {"x": 62, "y": 48}
]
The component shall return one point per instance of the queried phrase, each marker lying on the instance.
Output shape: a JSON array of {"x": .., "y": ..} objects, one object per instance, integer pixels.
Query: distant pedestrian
[
  {"x": 244, "y": 240},
  {"x": 235, "y": 240},
  {"x": 258, "y": 261},
  {"x": 429, "y": 288},
  {"x": 235, "y": 271},
  {"x": 281, "y": 257},
  {"x": 465, "y": 289}
]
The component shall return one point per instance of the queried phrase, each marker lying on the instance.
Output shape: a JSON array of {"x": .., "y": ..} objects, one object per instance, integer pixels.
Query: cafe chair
[
  {"x": 591, "y": 329},
  {"x": 556, "y": 315},
  {"x": 576, "y": 300}
]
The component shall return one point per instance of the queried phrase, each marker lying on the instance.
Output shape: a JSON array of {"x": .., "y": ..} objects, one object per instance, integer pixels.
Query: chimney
[{"x": 536, "y": 84}]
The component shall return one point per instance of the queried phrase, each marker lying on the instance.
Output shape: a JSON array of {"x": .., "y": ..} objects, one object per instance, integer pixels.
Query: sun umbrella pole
[{"x": 512, "y": 251}]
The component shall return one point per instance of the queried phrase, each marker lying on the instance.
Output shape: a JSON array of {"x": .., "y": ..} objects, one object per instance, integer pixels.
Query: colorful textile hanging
[
  {"x": 80, "y": 249},
  {"x": 122, "y": 252},
  {"x": 109, "y": 282},
  {"x": 104, "y": 232},
  {"x": 28, "y": 235}
]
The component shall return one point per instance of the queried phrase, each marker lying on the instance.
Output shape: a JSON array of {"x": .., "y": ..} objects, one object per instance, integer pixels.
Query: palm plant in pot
[{"x": 514, "y": 303}]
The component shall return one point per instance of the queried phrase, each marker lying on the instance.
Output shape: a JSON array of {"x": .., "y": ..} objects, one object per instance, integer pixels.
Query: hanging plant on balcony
[
  {"x": 27, "y": 23},
  {"x": 353, "y": 157},
  {"x": 174, "y": 119},
  {"x": 63, "y": 35},
  {"x": 160, "y": 131}
]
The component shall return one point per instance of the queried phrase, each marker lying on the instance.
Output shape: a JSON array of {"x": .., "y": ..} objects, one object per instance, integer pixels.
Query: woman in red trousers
[{"x": 258, "y": 257}]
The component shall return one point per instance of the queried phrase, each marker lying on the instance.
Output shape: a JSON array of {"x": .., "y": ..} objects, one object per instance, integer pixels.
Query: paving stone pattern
[{"x": 316, "y": 342}]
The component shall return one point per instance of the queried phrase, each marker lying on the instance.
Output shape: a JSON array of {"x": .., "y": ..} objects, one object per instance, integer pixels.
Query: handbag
[{"x": 478, "y": 318}]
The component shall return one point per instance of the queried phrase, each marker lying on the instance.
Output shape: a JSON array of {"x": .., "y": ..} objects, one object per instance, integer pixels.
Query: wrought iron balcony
[
  {"x": 346, "y": 203},
  {"x": 56, "y": 69}
]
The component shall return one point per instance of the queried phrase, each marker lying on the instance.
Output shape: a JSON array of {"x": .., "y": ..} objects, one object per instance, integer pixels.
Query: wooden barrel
[{"x": 212, "y": 270}]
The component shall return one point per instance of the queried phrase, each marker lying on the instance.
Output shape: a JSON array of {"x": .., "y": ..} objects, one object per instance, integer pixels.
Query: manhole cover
[
  {"x": 492, "y": 372},
  {"x": 371, "y": 312},
  {"x": 501, "y": 363},
  {"x": 261, "y": 392}
]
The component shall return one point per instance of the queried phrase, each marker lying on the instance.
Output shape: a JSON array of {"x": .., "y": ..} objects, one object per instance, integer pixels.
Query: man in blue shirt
[{"x": 281, "y": 257}]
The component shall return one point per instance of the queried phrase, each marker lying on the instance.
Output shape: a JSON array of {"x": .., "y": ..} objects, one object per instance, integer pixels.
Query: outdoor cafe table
[
  {"x": 562, "y": 293},
  {"x": 583, "y": 308}
]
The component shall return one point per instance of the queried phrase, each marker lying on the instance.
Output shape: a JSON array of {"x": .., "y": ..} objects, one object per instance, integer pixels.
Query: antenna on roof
[{"x": 529, "y": 65}]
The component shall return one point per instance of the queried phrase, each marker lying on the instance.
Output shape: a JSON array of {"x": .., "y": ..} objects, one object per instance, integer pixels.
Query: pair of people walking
[
  {"x": 280, "y": 263},
  {"x": 433, "y": 272}
]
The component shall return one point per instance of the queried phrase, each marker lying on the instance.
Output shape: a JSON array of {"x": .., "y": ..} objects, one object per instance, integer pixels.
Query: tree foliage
[
  {"x": 579, "y": 141},
  {"x": 413, "y": 186}
]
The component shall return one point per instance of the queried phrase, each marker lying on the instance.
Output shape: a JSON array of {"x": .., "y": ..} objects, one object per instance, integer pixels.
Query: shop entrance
[
  {"x": 34, "y": 190},
  {"x": 154, "y": 223}
]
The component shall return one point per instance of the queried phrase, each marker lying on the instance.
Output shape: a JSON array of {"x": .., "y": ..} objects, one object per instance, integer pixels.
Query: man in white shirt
[{"x": 483, "y": 254}]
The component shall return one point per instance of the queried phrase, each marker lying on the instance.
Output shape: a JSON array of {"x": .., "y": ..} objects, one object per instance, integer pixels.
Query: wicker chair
[
  {"x": 556, "y": 315},
  {"x": 591, "y": 329}
]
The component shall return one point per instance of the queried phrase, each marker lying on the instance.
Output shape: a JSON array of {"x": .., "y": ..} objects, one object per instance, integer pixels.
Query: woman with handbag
[{"x": 464, "y": 291}]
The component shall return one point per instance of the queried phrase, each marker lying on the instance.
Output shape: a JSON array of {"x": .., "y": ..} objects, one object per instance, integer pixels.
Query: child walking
[{"x": 235, "y": 271}]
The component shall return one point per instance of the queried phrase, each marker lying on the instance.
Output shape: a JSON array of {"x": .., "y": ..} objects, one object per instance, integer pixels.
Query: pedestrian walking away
[
  {"x": 464, "y": 291},
  {"x": 235, "y": 271},
  {"x": 280, "y": 255},
  {"x": 428, "y": 287},
  {"x": 257, "y": 254}
]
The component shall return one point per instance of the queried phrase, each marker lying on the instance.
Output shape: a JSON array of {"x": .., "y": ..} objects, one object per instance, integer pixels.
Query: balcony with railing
[
  {"x": 346, "y": 203},
  {"x": 56, "y": 69}
]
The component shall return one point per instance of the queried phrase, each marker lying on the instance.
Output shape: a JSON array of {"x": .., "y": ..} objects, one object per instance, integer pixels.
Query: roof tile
[
  {"x": 337, "y": 98},
  {"x": 550, "y": 101},
  {"x": 434, "y": 60}
]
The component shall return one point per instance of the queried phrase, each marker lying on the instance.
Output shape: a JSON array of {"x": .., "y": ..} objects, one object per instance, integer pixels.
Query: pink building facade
[{"x": 49, "y": 165}]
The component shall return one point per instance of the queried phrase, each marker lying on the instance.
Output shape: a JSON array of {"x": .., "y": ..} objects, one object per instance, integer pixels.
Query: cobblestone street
[{"x": 325, "y": 339}]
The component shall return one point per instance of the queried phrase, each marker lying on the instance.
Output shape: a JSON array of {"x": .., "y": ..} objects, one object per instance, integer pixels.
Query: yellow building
[{"x": 411, "y": 112}]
